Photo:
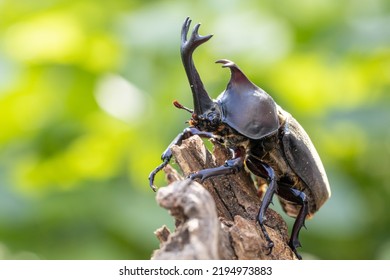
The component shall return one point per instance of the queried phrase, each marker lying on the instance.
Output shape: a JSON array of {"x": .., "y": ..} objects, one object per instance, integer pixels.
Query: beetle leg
[
  {"x": 267, "y": 199},
  {"x": 231, "y": 166},
  {"x": 299, "y": 197},
  {"x": 261, "y": 169},
  {"x": 167, "y": 154}
]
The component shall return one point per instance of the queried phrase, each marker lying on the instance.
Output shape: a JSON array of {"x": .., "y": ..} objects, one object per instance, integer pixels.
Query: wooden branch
[{"x": 216, "y": 220}]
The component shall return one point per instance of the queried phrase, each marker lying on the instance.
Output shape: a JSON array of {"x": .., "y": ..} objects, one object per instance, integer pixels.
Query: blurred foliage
[{"x": 85, "y": 100}]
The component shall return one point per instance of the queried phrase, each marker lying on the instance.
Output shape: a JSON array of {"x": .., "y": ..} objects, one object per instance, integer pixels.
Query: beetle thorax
[{"x": 233, "y": 139}]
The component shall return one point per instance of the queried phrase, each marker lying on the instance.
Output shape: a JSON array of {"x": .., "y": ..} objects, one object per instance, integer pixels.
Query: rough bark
[{"x": 215, "y": 220}]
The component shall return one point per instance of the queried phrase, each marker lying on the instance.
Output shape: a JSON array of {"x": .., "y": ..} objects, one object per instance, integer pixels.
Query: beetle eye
[{"x": 213, "y": 118}]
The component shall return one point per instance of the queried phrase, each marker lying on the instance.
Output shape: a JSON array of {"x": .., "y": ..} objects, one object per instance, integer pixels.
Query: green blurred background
[{"x": 85, "y": 112}]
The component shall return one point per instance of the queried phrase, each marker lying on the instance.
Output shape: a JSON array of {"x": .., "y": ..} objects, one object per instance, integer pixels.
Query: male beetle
[{"x": 262, "y": 136}]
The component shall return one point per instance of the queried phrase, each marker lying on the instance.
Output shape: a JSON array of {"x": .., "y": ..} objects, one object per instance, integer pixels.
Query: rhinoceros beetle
[{"x": 262, "y": 136}]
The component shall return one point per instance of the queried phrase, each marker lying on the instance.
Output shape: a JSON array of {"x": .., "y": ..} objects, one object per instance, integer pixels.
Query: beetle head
[
  {"x": 246, "y": 107},
  {"x": 210, "y": 120}
]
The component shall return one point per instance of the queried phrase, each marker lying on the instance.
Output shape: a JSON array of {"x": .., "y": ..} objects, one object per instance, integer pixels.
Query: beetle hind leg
[
  {"x": 267, "y": 199},
  {"x": 261, "y": 169},
  {"x": 299, "y": 197}
]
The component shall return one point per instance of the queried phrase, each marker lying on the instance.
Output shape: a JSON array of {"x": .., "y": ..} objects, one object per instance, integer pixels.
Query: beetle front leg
[
  {"x": 231, "y": 166},
  {"x": 167, "y": 154}
]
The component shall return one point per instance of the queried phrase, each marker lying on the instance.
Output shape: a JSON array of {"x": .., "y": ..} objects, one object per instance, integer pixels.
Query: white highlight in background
[{"x": 120, "y": 98}]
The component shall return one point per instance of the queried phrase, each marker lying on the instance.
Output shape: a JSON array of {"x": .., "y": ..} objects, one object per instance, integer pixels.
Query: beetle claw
[
  {"x": 270, "y": 246},
  {"x": 198, "y": 175},
  {"x": 294, "y": 244},
  {"x": 297, "y": 254},
  {"x": 151, "y": 180},
  {"x": 194, "y": 176}
]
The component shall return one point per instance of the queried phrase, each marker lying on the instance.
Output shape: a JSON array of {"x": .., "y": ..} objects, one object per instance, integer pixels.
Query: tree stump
[{"x": 215, "y": 220}]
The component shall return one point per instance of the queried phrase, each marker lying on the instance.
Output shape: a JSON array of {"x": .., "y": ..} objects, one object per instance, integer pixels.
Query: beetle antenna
[{"x": 179, "y": 106}]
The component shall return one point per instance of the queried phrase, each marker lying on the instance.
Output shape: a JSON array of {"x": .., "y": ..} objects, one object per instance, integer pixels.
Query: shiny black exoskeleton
[{"x": 263, "y": 137}]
